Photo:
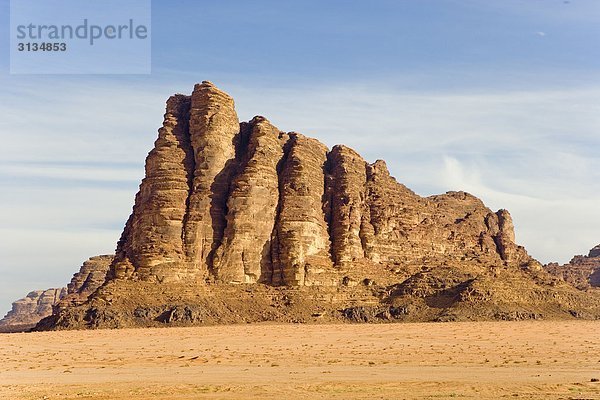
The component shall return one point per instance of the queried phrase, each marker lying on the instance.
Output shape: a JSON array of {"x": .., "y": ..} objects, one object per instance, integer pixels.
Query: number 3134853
[{"x": 42, "y": 46}]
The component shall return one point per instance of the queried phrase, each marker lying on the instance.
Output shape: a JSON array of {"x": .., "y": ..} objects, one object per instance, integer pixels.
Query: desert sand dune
[{"x": 484, "y": 360}]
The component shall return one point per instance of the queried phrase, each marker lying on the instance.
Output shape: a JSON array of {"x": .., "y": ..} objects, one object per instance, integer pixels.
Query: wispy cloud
[{"x": 20, "y": 171}]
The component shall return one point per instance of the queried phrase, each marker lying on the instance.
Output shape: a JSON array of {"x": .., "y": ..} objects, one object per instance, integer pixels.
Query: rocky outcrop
[
  {"x": 240, "y": 222},
  {"x": 247, "y": 203},
  {"x": 152, "y": 244},
  {"x": 301, "y": 246},
  {"x": 594, "y": 252},
  {"x": 91, "y": 275},
  {"x": 244, "y": 255},
  {"x": 347, "y": 181},
  {"x": 582, "y": 272},
  {"x": 214, "y": 132},
  {"x": 28, "y": 311},
  {"x": 39, "y": 304},
  {"x": 179, "y": 214}
]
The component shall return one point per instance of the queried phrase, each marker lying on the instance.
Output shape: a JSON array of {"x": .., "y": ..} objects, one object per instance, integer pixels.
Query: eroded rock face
[
  {"x": 244, "y": 255},
  {"x": 90, "y": 277},
  {"x": 152, "y": 244},
  {"x": 213, "y": 132},
  {"x": 347, "y": 180},
  {"x": 247, "y": 203},
  {"x": 301, "y": 246},
  {"x": 39, "y": 304},
  {"x": 179, "y": 214},
  {"x": 582, "y": 271},
  {"x": 241, "y": 222},
  {"x": 28, "y": 311}
]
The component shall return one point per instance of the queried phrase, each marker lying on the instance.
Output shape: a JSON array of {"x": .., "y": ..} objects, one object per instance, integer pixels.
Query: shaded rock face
[
  {"x": 582, "y": 272},
  {"x": 595, "y": 252},
  {"x": 247, "y": 203},
  {"x": 28, "y": 311},
  {"x": 90, "y": 277}
]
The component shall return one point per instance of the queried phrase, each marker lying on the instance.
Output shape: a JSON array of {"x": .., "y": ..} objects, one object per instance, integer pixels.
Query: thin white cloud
[{"x": 75, "y": 172}]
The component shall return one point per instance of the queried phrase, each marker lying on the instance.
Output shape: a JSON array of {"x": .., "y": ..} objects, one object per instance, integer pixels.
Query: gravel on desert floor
[{"x": 477, "y": 360}]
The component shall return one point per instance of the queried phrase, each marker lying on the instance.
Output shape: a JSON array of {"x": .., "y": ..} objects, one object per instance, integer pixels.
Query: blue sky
[{"x": 498, "y": 98}]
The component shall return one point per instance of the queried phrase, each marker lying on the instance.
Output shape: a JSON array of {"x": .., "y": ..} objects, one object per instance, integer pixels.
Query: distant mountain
[
  {"x": 28, "y": 311},
  {"x": 582, "y": 271}
]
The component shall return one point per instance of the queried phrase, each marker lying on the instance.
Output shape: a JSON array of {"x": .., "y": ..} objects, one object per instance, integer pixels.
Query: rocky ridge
[
  {"x": 231, "y": 211},
  {"x": 39, "y": 304},
  {"x": 28, "y": 311},
  {"x": 91, "y": 275},
  {"x": 249, "y": 203},
  {"x": 582, "y": 271}
]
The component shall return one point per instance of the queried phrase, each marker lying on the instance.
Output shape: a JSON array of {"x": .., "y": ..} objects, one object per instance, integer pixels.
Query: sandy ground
[{"x": 495, "y": 360}]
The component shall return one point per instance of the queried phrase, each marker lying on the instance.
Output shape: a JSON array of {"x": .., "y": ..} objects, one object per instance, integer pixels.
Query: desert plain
[{"x": 477, "y": 360}]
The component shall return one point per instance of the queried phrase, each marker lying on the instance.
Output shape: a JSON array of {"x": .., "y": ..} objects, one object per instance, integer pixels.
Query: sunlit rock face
[
  {"x": 582, "y": 271},
  {"x": 28, "y": 311},
  {"x": 245, "y": 203}
]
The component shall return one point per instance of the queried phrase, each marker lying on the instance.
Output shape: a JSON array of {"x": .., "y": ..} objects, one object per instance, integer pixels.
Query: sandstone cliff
[
  {"x": 91, "y": 275},
  {"x": 28, "y": 311},
  {"x": 246, "y": 203},
  {"x": 243, "y": 222},
  {"x": 582, "y": 271}
]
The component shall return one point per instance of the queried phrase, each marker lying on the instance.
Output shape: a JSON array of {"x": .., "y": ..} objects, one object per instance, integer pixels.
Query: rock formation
[
  {"x": 28, "y": 311},
  {"x": 243, "y": 252},
  {"x": 228, "y": 210},
  {"x": 91, "y": 276},
  {"x": 301, "y": 242},
  {"x": 246, "y": 203},
  {"x": 583, "y": 272},
  {"x": 153, "y": 238}
]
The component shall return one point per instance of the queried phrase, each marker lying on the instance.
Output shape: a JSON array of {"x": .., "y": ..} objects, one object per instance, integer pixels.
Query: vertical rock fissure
[
  {"x": 191, "y": 167},
  {"x": 364, "y": 218},
  {"x": 218, "y": 210},
  {"x": 234, "y": 169},
  {"x": 499, "y": 248},
  {"x": 327, "y": 202}
]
